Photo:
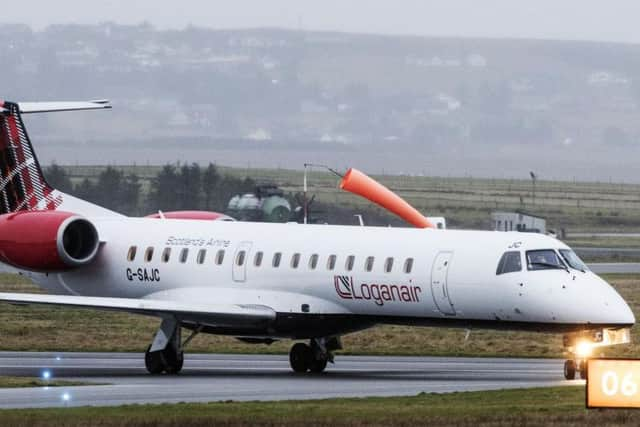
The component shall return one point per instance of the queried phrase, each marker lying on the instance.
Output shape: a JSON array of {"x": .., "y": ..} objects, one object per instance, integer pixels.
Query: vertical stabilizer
[{"x": 23, "y": 186}]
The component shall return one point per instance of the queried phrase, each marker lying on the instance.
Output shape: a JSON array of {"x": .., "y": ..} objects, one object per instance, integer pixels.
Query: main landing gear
[
  {"x": 313, "y": 357},
  {"x": 169, "y": 360},
  {"x": 166, "y": 352}
]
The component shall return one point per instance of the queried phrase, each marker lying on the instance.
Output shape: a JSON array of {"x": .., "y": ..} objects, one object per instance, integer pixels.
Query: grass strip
[
  {"x": 16, "y": 382},
  {"x": 560, "y": 406}
]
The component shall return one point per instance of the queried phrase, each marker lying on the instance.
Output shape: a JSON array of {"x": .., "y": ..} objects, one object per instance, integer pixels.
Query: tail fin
[{"x": 23, "y": 186}]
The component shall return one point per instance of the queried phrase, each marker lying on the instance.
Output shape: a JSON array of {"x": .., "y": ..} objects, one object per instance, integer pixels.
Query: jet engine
[{"x": 47, "y": 241}]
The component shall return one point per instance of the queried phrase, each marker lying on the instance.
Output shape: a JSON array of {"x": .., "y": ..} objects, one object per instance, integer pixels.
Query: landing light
[{"x": 584, "y": 349}]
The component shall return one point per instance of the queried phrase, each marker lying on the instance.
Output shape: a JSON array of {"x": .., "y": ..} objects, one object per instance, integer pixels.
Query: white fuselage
[{"x": 452, "y": 280}]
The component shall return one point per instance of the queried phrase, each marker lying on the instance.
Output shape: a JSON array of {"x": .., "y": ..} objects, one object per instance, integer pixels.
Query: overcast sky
[{"x": 613, "y": 20}]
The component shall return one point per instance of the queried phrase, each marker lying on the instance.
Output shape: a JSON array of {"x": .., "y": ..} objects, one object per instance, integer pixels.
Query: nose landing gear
[
  {"x": 572, "y": 366},
  {"x": 579, "y": 346}
]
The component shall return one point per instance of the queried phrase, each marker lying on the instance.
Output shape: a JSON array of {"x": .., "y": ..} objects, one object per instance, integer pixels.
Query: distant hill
[{"x": 440, "y": 106}]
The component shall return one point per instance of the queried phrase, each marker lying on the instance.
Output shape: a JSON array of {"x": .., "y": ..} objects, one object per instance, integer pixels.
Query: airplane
[{"x": 203, "y": 272}]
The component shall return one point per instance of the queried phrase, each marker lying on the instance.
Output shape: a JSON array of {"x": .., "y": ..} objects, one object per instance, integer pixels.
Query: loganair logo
[{"x": 378, "y": 293}]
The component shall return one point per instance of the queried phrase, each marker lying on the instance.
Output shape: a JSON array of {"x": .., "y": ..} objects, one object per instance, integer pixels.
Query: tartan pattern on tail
[{"x": 22, "y": 183}]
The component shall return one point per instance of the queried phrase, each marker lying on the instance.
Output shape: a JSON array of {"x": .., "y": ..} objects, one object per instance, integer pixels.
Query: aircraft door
[
  {"x": 439, "y": 276},
  {"x": 240, "y": 261}
]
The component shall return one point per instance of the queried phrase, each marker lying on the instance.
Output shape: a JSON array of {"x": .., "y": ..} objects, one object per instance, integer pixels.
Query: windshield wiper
[{"x": 549, "y": 265}]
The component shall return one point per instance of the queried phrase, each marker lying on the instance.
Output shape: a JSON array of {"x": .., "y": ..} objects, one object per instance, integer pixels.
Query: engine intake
[
  {"x": 47, "y": 241},
  {"x": 77, "y": 241}
]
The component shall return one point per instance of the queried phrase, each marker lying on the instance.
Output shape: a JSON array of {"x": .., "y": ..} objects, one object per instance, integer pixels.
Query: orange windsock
[{"x": 357, "y": 182}]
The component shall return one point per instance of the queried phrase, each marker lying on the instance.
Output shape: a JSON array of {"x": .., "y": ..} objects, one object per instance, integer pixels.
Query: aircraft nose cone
[
  {"x": 618, "y": 311},
  {"x": 624, "y": 313}
]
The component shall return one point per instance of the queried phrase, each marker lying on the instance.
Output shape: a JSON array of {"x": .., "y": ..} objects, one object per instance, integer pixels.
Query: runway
[
  {"x": 221, "y": 377},
  {"x": 615, "y": 267}
]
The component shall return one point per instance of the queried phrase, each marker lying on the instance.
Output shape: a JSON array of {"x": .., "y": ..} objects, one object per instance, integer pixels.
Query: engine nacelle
[{"x": 47, "y": 241}]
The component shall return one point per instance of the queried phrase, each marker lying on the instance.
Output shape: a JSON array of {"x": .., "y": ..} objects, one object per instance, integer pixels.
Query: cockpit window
[
  {"x": 544, "y": 259},
  {"x": 573, "y": 260},
  {"x": 509, "y": 263}
]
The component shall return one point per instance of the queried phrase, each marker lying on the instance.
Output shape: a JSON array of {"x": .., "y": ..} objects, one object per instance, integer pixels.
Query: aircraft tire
[
  {"x": 583, "y": 370},
  {"x": 153, "y": 362},
  {"x": 300, "y": 357},
  {"x": 173, "y": 361},
  {"x": 318, "y": 366},
  {"x": 570, "y": 369}
]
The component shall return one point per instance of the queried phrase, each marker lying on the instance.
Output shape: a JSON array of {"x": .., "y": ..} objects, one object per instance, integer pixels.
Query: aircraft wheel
[
  {"x": 569, "y": 369},
  {"x": 173, "y": 360},
  {"x": 153, "y": 361},
  {"x": 583, "y": 369},
  {"x": 300, "y": 357},
  {"x": 318, "y": 366}
]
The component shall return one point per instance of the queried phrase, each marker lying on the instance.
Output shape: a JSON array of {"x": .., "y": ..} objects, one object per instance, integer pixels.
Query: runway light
[
  {"x": 583, "y": 349},
  {"x": 58, "y": 358},
  {"x": 46, "y": 375},
  {"x": 66, "y": 397}
]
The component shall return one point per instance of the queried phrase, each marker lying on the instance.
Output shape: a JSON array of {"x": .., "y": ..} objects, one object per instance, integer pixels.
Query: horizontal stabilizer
[
  {"x": 48, "y": 107},
  {"x": 215, "y": 313}
]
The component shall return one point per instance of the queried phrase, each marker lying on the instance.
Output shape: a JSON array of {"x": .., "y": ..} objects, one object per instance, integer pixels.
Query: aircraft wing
[{"x": 222, "y": 314}]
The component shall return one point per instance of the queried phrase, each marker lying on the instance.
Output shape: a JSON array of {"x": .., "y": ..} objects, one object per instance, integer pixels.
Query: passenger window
[
  {"x": 184, "y": 254},
  {"x": 257, "y": 260},
  {"x": 148, "y": 254},
  {"x": 295, "y": 260},
  {"x": 202, "y": 254},
  {"x": 509, "y": 263},
  {"x": 313, "y": 261},
  {"x": 388, "y": 265},
  {"x": 408, "y": 265},
  {"x": 545, "y": 259},
  {"x": 348, "y": 264},
  {"x": 368, "y": 263},
  {"x": 331, "y": 262},
  {"x": 276, "y": 259},
  {"x": 240, "y": 258},
  {"x": 131, "y": 255},
  {"x": 166, "y": 254},
  {"x": 220, "y": 257}
]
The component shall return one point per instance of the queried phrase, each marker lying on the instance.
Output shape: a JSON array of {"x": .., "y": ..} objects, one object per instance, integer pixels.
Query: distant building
[{"x": 518, "y": 221}]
